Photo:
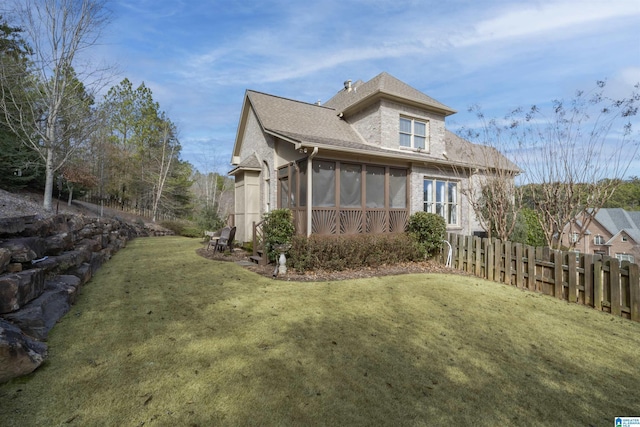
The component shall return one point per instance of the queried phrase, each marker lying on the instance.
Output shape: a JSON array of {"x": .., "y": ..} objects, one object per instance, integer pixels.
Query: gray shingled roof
[
  {"x": 319, "y": 125},
  {"x": 385, "y": 84},
  {"x": 300, "y": 120},
  {"x": 460, "y": 150},
  {"x": 616, "y": 220}
]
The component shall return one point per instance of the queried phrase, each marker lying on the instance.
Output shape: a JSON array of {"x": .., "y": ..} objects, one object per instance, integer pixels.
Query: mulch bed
[{"x": 242, "y": 257}]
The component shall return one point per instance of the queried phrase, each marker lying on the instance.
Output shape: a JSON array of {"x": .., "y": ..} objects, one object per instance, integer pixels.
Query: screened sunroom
[{"x": 346, "y": 197}]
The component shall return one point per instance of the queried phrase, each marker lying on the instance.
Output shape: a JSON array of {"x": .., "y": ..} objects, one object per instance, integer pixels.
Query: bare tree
[
  {"x": 490, "y": 189},
  {"x": 58, "y": 31},
  {"x": 164, "y": 157},
  {"x": 576, "y": 154},
  {"x": 573, "y": 154}
]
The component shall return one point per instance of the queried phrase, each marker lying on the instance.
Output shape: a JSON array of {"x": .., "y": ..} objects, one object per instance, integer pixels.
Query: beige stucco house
[{"x": 363, "y": 162}]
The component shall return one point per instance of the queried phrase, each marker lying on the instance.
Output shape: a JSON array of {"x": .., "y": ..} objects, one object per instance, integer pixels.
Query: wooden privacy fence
[{"x": 601, "y": 282}]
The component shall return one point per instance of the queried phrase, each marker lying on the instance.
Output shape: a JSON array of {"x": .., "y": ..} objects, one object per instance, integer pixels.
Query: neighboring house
[
  {"x": 367, "y": 159},
  {"x": 613, "y": 232}
]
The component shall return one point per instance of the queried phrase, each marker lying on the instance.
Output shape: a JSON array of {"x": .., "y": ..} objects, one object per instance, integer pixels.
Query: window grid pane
[
  {"x": 441, "y": 197},
  {"x": 413, "y": 133}
]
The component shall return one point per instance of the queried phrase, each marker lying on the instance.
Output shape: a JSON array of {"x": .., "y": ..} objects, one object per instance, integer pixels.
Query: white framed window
[
  {"x": 441, "y": 197},
  {"x": 574, "y": 237},
  {"x": 624, "y": 238},
  {"x": 413, "y": 133},
  {"x": 625, "y": 257},
  {"x": 598, "y": 240}
]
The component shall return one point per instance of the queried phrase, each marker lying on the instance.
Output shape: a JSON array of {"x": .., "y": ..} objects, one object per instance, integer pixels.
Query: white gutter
[{"x": 309, "y": 190}]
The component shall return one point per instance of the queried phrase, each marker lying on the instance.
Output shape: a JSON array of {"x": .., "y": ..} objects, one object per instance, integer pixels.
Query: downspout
[{"x": 309, "y": 190}]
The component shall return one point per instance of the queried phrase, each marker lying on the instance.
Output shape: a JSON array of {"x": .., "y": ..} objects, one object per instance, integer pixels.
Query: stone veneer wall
[{"x": 43, "y": 264}]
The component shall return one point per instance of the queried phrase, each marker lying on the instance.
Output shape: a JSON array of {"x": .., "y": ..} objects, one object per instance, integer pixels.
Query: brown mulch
[{"x": 242, "y": 257}]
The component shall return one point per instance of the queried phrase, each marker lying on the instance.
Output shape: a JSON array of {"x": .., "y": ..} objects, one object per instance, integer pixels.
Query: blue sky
[{"x": 199, "y": 57}]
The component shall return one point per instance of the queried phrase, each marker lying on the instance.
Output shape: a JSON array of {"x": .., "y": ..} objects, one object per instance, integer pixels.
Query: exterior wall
[
  {"x": 368, "y": 123},
  {"x": 247, "y": 191},
  {"x": 617, "y": 246},
  {"x": 239, "y": 207},
  {"x": 390, "y": 113},
  {"x": 586, "y": 244},
  {"x": 379, "y": 124},
  {"x": 249, "y": 197}
]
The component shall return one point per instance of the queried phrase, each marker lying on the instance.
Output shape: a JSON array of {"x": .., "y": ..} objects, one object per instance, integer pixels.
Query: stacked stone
[{"x": 43, "y": 264}]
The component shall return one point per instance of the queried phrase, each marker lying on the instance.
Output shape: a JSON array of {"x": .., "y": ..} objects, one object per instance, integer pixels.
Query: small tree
[
  {"x": 51, "y": 119},
  {"x": 572, "y": 155},
  {"x": 278, "y": 230},
  {"x": 576, "y": 154},
  {"x": 429, "y": 230},
  {"x": 491, "y": 189}
]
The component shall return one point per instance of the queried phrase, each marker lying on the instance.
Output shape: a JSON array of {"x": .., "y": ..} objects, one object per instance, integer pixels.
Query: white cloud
[{"x": 534, "y": 19}]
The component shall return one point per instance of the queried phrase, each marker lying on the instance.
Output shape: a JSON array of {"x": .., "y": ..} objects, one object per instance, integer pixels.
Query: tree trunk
[{"x": 48, "y": 185}]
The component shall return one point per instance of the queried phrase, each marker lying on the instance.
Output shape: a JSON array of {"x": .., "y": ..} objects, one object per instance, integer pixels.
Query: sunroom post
[{"x": 310, "y": 191}]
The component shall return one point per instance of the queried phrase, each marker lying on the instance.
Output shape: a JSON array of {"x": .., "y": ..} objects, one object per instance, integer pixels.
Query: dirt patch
[{"x": 242, "y": 257}]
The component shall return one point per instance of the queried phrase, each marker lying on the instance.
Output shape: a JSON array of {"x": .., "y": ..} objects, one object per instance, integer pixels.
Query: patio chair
[
  {"x": 215, "y": 237},
  {"x": 225, "y": 240}
]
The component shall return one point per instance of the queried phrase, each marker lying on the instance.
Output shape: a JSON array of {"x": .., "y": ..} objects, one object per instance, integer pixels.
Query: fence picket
[
  {"x": 507, "y": 262},
  {"x": 598, "y": 275},
  {"x": 531, "y": 259},
  {"x": 460, "y": 257},
  {"x": 469, "y": 254},
  {"x": 477, "y": 244},
  {"x": 558, "y": 273},
  {"x": 587, "y": 265},
  {"x": 539, "y": 278},
  {"x": 614, "y": 277},
  {"x": 519, "y": 266},
  {"x": 634, "y": 292},
  {"x": 490, "y": 260},
  {"x": 572, "y": 278},
  {"x": 498, "y": 261}
]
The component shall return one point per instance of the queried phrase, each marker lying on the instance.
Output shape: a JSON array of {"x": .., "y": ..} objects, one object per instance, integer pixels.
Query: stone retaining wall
[{"x": 43, "y": 264}]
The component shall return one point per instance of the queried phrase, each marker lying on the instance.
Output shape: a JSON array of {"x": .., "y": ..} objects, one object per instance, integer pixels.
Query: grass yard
[{"x": 163, "y": 337}]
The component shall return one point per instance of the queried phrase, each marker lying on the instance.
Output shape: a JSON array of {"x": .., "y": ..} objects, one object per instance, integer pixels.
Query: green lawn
[{"x": 163, "y": 337}]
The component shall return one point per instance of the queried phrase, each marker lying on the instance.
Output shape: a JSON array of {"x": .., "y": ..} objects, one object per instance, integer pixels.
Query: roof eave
[{"x": 370, "y": 99}]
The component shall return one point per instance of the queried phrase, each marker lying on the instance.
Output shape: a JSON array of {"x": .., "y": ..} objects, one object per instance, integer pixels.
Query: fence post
[
  {"x": 634, "y": 291},
  {"x": 614, "y": 278},
  {"x": 558, "y": 273},
  {"x": 507, "y": 262}
]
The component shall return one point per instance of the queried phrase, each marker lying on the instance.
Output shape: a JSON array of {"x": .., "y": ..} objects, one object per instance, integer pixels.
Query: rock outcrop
[{"x": 43, "y": 264}]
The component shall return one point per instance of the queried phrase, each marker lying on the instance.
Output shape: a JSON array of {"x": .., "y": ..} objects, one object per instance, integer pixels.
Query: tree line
[{"x": 58, "y": 134}]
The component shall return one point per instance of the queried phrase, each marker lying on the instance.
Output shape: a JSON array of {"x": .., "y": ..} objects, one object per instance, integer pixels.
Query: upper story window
[
  {"x": 598, "y": 240},
  {"x": 624, "y": 238},
  {"x": 413, "y": 133}
]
